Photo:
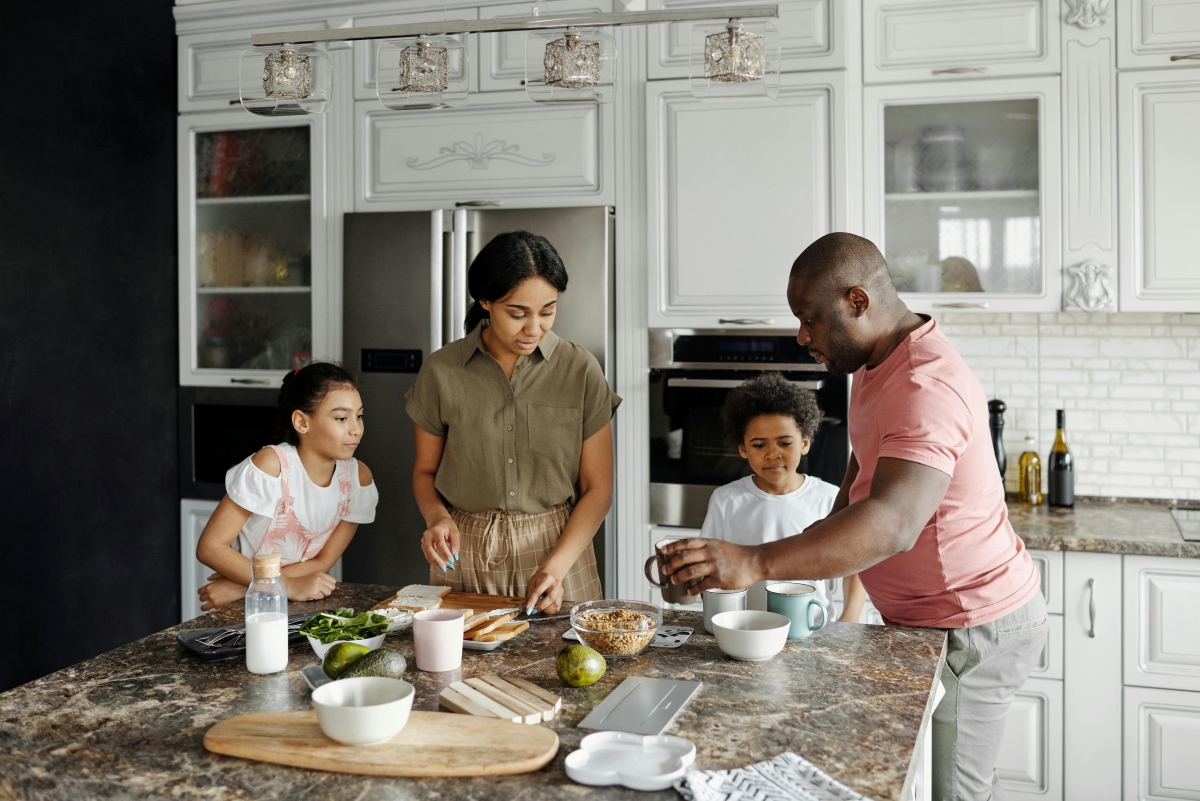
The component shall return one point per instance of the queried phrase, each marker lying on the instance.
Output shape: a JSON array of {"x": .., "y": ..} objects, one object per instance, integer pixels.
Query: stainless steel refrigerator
[{"x": 404, "y": 296}]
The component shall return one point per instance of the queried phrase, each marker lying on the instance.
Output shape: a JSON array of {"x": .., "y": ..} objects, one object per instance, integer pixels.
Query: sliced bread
[
  {"x": 471, "y": 621},
  {"x": 423, "y": 591},
  {"x": 490, "y": 624},
  {"x": 415, "y": 604},
  {"x": 505, "y": 632}
]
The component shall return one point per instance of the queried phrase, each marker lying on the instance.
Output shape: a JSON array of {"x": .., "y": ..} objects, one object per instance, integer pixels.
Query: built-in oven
[
  {"x": 691, "y": 373},
  {"x": 219, "y": 427}
]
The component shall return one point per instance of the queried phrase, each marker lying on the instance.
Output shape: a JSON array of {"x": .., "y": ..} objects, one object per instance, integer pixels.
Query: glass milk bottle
[{"x": 266, "y": 617}]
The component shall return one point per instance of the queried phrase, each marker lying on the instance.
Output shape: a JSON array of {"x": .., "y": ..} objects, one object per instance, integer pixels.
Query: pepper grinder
[{"x": 996, "y": 424}]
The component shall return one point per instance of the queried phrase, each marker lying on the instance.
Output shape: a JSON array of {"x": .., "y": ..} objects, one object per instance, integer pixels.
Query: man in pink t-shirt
[{"x": 920, "y": 515}]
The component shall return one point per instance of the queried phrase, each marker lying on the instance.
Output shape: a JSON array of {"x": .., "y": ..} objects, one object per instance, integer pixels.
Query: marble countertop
[
  {"x": 1125, "y": 527},
  {"x": 129, "y": 723}
]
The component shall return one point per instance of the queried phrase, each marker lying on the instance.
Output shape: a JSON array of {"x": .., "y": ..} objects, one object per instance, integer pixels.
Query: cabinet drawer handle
[
  {"x": 1091, "y": 607},
  {"x": 960, "y": 70},
  {"x": 260, "y": 381},
  {"x": 1188, "y": 57},
  {"x": 745, "y": 321},
  {"x": 961, "y": 305}
]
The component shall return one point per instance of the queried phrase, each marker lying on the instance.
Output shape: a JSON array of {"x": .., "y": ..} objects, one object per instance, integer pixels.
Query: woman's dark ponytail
[
  {"x": 303, "y": 390},
  {"x": 504, "y": 263}
]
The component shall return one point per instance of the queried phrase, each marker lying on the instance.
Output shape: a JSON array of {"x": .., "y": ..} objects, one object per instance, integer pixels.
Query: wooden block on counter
[
  {"x": 530, "y": 687},
  {"x": 514, "y": 691},
  {"x": 457, "y": 702},
  {"x": 529, "y": 714},
  {"x": 479, "y": 699}
]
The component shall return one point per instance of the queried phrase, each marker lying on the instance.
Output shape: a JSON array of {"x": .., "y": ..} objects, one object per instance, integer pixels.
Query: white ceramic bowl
[
  {"x": 319, "y": 648},
  {"x": 364, "y": 710},
  {"x": 751, "y": 636}
]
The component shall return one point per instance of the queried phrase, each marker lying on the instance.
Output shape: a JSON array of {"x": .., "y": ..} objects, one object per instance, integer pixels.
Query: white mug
[
  {"x": 438, "y": 639},
  {"x": 718, "y": 601}
]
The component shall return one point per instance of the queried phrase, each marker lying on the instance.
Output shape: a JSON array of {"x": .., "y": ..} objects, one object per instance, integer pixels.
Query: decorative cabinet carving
[
  {"x": 813, "y": 35},
  {"x": 499, "y": 146},
  {"x": 1159, "y": 165},
  {"x": 1158, "y": 33},
  {"x": 920, "y": 40},
  {"x": 1162, "y": 729},
  {"x": 1162, "y": 638},
  {"x": 1087, "y": 14},
  {"x": 720, "y": 172},
  {"x": 501, "y": 62},
  {"x": 1089, "y": 287},
  {"x": 1030, "y": 759}
]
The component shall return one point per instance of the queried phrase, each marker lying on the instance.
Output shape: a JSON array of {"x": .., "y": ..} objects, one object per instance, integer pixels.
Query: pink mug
[{"x": 438, "y": 639}]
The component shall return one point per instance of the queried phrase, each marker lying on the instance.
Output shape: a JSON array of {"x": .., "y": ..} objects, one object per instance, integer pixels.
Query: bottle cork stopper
[{"x": 266, "y": 565}]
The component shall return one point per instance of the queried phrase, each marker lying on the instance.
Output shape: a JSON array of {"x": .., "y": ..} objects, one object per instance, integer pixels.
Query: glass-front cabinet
[
  {"x": 962, "y": 192},
  {"x": 252, "y": 247}
]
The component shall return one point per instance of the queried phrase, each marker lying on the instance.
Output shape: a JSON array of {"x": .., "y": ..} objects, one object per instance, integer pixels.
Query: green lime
[
  {"x": 341, "y": 656},
  {"x": 579, "y": 665}
]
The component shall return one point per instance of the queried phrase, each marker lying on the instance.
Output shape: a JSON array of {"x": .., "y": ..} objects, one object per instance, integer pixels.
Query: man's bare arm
[{"x": 904, "y": 496}]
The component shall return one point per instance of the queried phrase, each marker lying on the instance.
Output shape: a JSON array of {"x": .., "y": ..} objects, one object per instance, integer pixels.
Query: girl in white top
[
  {"x": 302, "y": 499},
  {"x": 773, "y": 423}
]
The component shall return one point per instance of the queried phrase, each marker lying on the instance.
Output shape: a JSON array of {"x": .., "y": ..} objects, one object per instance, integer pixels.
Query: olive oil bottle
[
  {"x": 1061, "y": 468},
  {"x": 1029, "y": 476}
]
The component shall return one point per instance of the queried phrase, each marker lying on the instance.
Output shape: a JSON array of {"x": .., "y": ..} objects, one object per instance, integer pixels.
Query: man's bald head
[{"x": 836, "y": 262}]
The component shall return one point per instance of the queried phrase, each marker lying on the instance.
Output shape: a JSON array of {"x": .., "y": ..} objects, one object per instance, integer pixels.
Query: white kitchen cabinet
[
  {"x": 1162, "y": 622},
  {"x": 1050, "y": 664},
  {"x": 1030, "y": 759},
  {"x": 962, "y": 192},
  {"x": 1150, "y": 32},
  {"x": 1162, "y": 738},
  {"x": 193, "y": 517},
  {"x": 501, "y": 62},
  {"x": 1092, "y": 677},
  {"x": 1159, "y": 168},
  {"x": 923, "y": 40},
  {"x": 364, "y": 51},
  {"x": 499, "y": 147},
  {"x": 737, "y": 190},
  {"x": 813, "y": 35},
  {"x": 253, "y": 259},
  {"x": 1050, "y": 566}
]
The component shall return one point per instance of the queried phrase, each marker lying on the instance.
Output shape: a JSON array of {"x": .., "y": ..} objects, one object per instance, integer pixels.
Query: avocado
[
  {"x": 341, "y": 656},
  {"x": 579, "y": 666},
  {"x": 389, "y": 664}
]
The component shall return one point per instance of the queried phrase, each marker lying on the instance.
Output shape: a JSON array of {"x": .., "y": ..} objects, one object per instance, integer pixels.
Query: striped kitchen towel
[{"x": 787, "y": 777}]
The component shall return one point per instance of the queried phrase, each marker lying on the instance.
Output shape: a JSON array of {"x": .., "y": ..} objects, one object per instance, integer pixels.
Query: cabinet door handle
[
  {"x": 1187, "y": 57},
  {"x": 260, "y": 381},
  {"x": 745, "y": 321},
  {"x": 961, "y": 305},
  {"x": 1091, "y": 607},
  {"x": 960, "y": 70}
]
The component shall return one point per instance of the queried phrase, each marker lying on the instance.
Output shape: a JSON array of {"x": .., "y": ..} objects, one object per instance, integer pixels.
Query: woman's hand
[
  {"x": 220, "y": 592},
  {"x": 545, "y": 592},
  {"x": 311, "y": 587},
  {"x": 439, "y": 543}
]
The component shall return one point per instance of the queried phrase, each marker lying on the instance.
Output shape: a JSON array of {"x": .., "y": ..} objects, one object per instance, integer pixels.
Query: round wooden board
[{"x": 431, "y": 744}]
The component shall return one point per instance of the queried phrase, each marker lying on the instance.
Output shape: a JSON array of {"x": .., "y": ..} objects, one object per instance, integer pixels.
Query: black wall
[{"x": 89, "y": 511}]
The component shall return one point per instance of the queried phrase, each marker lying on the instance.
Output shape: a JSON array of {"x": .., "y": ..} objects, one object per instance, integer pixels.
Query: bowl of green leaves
[{"x": 325, "y": 629}]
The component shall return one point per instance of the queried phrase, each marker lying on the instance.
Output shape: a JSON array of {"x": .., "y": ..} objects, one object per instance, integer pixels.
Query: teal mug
[{"x": 796, "y": 600}]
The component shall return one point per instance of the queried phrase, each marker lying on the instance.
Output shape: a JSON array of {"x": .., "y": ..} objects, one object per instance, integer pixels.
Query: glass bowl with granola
[{"x": 616, "y": 628}]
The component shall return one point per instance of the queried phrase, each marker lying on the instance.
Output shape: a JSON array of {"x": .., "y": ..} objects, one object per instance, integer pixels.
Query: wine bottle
[
  {"x": 1029, "y": 479},
  {"x": 1061, "y": 467},
  {"x": 997, "y": 408}
]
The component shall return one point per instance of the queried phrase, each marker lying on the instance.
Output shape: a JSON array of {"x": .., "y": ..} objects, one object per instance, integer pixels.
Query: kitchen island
[{"x": 854, "y": 700}]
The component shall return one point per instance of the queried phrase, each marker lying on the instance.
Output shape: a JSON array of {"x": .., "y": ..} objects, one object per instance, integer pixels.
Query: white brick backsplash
[{"x": 1130, "y": 384}]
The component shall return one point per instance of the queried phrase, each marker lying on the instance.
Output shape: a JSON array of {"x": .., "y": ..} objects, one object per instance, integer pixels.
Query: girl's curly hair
[{"x": 769, "y": 393}]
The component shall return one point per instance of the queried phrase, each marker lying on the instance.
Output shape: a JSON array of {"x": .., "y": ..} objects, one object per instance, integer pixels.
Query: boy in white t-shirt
[{"x": 773, "y": 421}]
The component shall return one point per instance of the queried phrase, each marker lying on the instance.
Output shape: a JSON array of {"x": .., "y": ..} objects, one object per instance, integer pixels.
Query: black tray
[{"x": 188, "y": 639}]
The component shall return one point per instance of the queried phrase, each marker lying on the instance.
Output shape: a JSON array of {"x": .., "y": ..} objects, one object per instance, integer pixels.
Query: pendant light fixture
[
  {"x": 737, "y": 59},
  {"x": 421, "y": 72},
  {"x": 576, "y": 65},
  {"x": 568, "y": 59}
]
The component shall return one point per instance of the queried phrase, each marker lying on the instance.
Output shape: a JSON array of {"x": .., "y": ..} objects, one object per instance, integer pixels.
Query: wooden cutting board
[
  {"x": 470, "y": 600},
  {"x": 431, "y": 744}
]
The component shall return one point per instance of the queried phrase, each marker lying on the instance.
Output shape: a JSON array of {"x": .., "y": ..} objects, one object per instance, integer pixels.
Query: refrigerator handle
[
  {"x": 435, "y": 281},
  {"x": 458, "y": 272}
]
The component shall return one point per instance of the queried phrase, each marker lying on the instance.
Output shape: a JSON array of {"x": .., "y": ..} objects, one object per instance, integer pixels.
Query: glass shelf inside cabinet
[
  {"x": 253, "y": 252},
  {"x": 962, "y": 201}
]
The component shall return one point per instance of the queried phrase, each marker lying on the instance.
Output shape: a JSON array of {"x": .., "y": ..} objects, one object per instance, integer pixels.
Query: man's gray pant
[{"x": 985, "y": 666}]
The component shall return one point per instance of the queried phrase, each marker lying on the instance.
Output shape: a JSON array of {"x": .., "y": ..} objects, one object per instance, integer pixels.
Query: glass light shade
[
  {"x": 421, "y": 72},
  {"x": 575, "y": 65},
  {"x": 735, "y": 59},
  {"x": 285, "y": 80}
]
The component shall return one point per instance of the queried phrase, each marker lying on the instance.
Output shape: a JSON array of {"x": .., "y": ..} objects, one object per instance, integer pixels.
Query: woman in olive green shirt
[{"x": 514, "y": 467}]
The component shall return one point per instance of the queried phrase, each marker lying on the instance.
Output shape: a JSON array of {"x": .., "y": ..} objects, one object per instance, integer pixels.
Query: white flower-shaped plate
[{"x": 631, "y": 760}]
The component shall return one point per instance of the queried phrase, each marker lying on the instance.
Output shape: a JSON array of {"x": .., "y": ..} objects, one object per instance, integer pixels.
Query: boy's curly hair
[{"x": 769, "y": 393}]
